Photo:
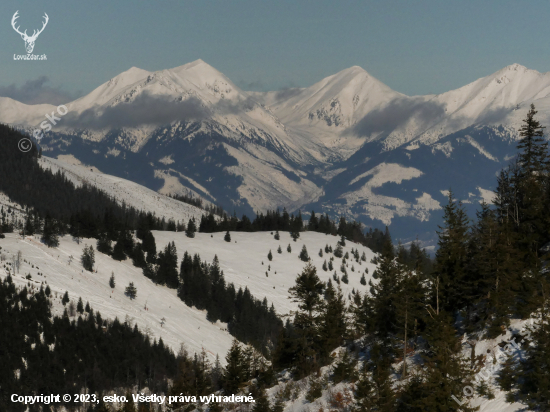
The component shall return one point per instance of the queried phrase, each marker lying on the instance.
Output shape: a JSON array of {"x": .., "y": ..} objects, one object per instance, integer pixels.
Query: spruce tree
[
  {"x": 279, "y": 405},
  {"x": 344, "y": 369},
  {"x": 315, "y": 390},
  {"x": 452, "y": 289},
  {"x": 507, "y": 377},
  {"x": 307, "y": 293},
  {"x": 279, "y": 250},
  {"x": 303, "y": 254},
  {"x": 384, "y": 293},
  {"x": 410, "y": 304},
  {"x": 227, "y": 237},
  {"x": 112, "y": 280},
  {"x": 149, "y": 247},
  {"x": 104, "y": 245},
  {"x": 261, "y": 402},
  {"x": 65, "y": 299},
  {"x": 270, "y": 256},
  {"x": 131, "y": 291},
  {"x": 191, "y": 228},
  {"x": 533, "y": 155},
  {"x": 374, "y": 389},
  {"x": 235, "y": 370},
  {"x": 332, "y": 323},
  {"x": 529, "y": 183},
  {"x": 494, "y": 265},
  {"x": 288, "y": 248},
  {"x": 29, "y": 228},
  {"x": 342, "y": 241},
  {"x": 118, "y": 251},
  {"x": 126, "y": 239},
  {"x": 88, "y": 258},
  {"x": 446, "y": 372},
  {"x": 80, "y": 306},
  {"x": 277, "y": 236},
  {"x": 167, "y": 271},
  {"x": 50, "y": 232},
  {"x": 138, "y": 256}
]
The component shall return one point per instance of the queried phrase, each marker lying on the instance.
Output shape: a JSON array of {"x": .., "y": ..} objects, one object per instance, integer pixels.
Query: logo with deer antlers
[{"x": 29, "y": 40}]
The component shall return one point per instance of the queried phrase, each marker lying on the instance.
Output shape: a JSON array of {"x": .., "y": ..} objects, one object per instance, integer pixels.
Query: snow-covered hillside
[
  {"x": 242, "y": 258},
  {"x": 55, "y": 267},
  {"x": 241, "y": 261},
  {"x": 124, "y": 191}
]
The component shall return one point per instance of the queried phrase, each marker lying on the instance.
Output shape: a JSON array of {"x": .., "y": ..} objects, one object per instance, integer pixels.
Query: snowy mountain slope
[
  {"x": 205, "y": 96},
  {"x": 490, "y": 100},
  {"x": 6, "y": 204},
  {"x": 339, "y": 100},
  {"x": 406, "y": 187},
  {"x": 323, "y": 111},
  {"x": 183, "y": 324},
  {"x": 241, "y": 260},
  {"x": 124, "y": 191},
  {"x": 240, "y": 177},
  {"x": 17, "y": 113},
  {"x": 352, "y": 104}
]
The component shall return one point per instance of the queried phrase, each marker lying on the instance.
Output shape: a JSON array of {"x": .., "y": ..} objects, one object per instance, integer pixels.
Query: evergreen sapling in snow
[{"x": 131, "y": 291}]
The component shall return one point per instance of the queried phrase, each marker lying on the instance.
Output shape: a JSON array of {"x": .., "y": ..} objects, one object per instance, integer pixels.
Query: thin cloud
[
  {"x": 287, "y": 93},
  {"x": 37, "y": 92},
  {"x": 148, "y": 109},
  {"x": 396, "y": 113}
]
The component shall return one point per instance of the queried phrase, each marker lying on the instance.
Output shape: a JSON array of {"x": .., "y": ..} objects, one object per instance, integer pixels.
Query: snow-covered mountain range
[{"x": 348, "y": 144}]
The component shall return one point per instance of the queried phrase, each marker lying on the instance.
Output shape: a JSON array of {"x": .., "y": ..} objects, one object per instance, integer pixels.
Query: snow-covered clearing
[{"x": 241, "y": 260}]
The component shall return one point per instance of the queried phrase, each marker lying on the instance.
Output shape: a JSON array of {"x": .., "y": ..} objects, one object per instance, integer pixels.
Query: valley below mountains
[{"x": 347, "y": 146}]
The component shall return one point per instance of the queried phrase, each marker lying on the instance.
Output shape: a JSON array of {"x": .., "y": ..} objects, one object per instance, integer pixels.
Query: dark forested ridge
[{"x": 82, "y": 211}]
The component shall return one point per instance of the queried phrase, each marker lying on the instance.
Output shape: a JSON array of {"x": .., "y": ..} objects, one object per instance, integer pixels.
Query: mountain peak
[
  {"x": 133, "y": 73},
  {"x": 352, "y": 71},
  {"x": 514, "y": 69},
  {"x": 199, "y": 63}
]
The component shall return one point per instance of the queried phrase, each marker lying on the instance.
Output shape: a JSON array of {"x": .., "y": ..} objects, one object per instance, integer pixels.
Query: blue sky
[{"x": 415, "y": 47}]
